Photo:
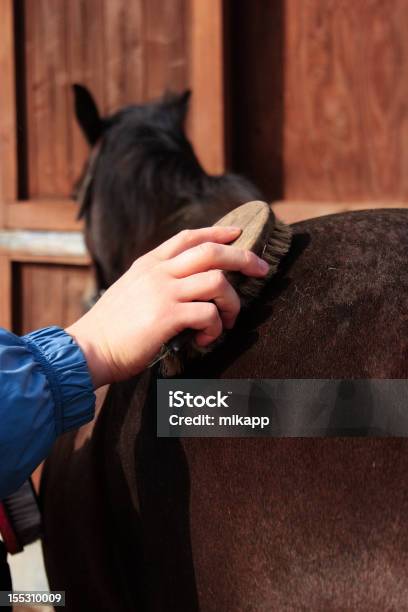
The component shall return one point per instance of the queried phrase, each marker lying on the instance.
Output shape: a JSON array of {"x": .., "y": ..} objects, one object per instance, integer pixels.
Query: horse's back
[{"x": 337, "y": 309}]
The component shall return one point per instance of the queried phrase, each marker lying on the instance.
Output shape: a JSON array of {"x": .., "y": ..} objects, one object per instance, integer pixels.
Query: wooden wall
[{"x": 322, "y": 98}]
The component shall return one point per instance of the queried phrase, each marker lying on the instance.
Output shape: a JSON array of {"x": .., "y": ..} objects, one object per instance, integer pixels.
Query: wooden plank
[
  {"x": 5, "y": 292},
  {"x": 124, "y": 53},
  {"x": 165, "y": 36},
  {"x": 70, "y": 260},
  {"x": 86, "y": 66},
  {"x": 8, "y": 140},
  {"x": 31, "y": 99},
  {"x": 57, "y": 45},
  {"x": 43, "y": 215},
  {"x": 47, "y": 98},
  {"x": 206, "y": 79},
  {"x": 346, "y": 114}
]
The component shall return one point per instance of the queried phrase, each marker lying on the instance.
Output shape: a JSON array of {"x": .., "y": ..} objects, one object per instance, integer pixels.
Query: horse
[
  {"x": 145, "y": 182},
  {"x": 136, "y": 522}
]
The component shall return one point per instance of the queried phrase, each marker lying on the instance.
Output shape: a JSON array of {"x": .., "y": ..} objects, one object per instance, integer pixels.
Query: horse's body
[{"x": 134, "y": 522}]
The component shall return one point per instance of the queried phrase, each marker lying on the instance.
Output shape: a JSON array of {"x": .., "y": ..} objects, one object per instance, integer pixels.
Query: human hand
[{"x": 164, "y": 292}]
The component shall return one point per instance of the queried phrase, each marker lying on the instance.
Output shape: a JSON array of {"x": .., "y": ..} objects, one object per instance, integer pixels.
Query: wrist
[{"x": 86, "y": 338}]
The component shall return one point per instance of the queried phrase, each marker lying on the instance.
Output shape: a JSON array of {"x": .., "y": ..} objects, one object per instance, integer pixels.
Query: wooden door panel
[
  {"x": 124, "y": 52},
  {"x": 46, "y": 294},
  {"x": 47, "y": 104},
  {"x": 346, "y": 114},
  {"x": 320, "y": 98}
]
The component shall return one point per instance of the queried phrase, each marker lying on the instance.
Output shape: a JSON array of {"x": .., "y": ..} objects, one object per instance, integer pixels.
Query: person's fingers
[
  {"x": 210, "y": 256},
  {"x": 213, "y": 286},
  {"x": 203, "y": 316},
  {"x": 190, "y": 238}
]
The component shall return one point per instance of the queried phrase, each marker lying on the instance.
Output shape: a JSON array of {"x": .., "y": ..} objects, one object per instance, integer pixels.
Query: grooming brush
[
  {"x": 262, "y": 234},
  {"x": 20, "y": 519}
]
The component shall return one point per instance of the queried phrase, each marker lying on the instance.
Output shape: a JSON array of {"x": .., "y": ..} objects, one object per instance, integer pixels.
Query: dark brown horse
[{"x": 136, "y": 522}]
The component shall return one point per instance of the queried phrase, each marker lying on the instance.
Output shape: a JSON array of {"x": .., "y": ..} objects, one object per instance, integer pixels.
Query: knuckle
[
  {"x": 186, "y": 235},
  {"x": 248, "y": 256},
  {"x": 218, "y": 280},
  {"x": 236, "y": 305},
  {"x": 212, "y": 313},
  {"x": 208, "y": 250}
]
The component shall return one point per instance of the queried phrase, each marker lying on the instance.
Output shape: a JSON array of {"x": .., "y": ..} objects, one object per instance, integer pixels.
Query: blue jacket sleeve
[{"x": 45, "y": 389}]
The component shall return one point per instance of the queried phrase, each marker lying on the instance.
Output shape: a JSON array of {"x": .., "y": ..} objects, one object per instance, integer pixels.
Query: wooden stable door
[{"x": 125, "y": 53}]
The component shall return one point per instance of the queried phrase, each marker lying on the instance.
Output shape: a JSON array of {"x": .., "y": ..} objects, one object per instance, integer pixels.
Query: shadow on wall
[{"x": 254, "y": 102}]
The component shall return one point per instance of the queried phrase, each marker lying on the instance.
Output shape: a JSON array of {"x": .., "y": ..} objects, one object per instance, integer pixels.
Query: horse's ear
[
  {"x": 87, "y": 114},
  {"x": 184, "y": 99},
  {"x": 178, "y": 103},
  {"x": 183, "y": 104}
]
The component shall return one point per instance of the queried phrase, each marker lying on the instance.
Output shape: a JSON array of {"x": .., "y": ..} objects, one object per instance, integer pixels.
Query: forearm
[{"x": 45, "y": 389}]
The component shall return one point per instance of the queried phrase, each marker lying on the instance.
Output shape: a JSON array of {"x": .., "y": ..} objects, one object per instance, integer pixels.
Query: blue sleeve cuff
[{"x": 67, "y": 373}]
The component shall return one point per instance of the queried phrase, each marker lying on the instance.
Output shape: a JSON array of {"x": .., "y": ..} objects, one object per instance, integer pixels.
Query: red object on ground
[{"x": 7, "y": 532}]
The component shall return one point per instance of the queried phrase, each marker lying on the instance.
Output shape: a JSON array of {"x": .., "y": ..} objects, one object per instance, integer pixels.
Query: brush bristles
[{"x": 272, "y": 250}]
